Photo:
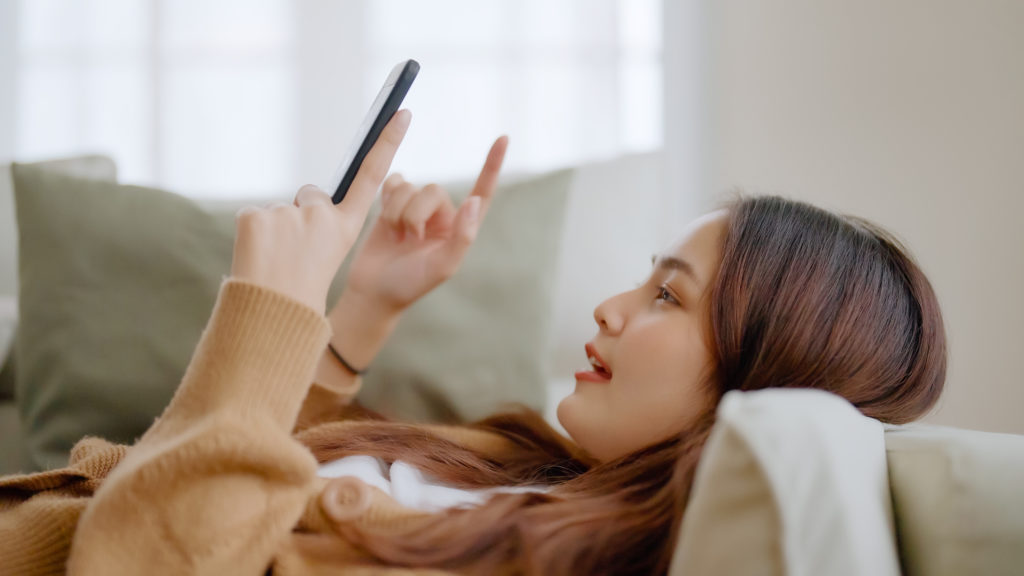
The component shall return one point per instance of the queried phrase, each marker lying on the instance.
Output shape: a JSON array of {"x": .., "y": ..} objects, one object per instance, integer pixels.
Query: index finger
[
  {"x": 376, "y": 165},
  {"x": 487, "y": 182}
]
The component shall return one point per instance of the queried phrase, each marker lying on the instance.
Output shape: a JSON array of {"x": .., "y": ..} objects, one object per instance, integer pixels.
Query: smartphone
[{"x": 384, "y": 107}]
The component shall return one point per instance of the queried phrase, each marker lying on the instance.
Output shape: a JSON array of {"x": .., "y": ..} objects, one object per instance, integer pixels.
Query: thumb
[{"x": 311, "y": 194}]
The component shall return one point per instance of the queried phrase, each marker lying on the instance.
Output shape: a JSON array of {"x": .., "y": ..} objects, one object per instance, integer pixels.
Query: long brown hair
[{"x": 803, "y": 298}]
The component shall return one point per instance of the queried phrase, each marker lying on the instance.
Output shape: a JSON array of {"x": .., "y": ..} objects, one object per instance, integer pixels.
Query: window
[{"x": 223, "y": 98}]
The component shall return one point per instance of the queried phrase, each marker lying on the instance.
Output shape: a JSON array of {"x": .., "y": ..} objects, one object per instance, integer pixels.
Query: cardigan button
[{"x": 345, "y": 498}]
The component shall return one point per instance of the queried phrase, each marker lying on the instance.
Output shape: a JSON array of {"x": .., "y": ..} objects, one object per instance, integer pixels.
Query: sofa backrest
[{"x": 958, "y": 497}]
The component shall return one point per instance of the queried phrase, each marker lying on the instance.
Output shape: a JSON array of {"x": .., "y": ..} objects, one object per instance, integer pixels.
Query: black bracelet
[{"x": 344, "y": 363}]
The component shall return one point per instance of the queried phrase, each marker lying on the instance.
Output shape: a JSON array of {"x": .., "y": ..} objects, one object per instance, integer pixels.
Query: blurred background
[
  {"x": 194, "y": 95},
  {"x": 905, "y": 112}
]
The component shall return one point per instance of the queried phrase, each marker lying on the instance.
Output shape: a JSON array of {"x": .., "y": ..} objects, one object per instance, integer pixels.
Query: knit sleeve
[{"x": 217, "y": 482}]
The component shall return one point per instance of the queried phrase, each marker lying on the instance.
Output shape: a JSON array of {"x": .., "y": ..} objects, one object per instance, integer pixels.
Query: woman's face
[{"x": 654, "y": 342}]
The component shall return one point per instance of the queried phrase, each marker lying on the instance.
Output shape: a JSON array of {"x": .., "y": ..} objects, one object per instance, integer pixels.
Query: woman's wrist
[{"x": 360, "y": 327}]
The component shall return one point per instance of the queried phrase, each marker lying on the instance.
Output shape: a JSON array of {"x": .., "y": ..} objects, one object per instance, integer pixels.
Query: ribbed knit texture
[
  {"x": 38, "y": 512},
  {"x": 218, "y": 484}
]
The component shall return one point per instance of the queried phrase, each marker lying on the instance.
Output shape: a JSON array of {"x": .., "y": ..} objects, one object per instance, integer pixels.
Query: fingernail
[{"x": 402, "y": 119}]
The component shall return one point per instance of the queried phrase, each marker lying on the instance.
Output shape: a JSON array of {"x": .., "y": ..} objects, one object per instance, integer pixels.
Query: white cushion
[{"x": 793, "y": 482}]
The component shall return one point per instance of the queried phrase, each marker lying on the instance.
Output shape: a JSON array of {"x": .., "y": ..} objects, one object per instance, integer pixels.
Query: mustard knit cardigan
[{"x": 218, "y": 484}]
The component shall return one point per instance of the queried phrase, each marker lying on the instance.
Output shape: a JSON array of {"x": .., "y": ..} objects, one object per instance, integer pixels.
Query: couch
[{"x": 789, "y": 484}]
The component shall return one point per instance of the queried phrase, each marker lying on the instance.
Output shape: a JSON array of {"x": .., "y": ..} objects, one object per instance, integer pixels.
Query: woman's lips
[
  {"x": 592, "y": 376},
  {"x": 594, "y": 357}
]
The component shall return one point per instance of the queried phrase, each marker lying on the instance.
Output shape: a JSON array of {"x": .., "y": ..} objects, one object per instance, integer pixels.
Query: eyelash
[{"x": 663, "y": 290}]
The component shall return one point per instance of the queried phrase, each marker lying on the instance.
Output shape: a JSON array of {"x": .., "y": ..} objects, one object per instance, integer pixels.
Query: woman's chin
[{"x": 565, "y": 412}]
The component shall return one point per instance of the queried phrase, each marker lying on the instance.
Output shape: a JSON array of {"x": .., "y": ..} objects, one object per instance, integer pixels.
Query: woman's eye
[{"x": 665, "y": 295}]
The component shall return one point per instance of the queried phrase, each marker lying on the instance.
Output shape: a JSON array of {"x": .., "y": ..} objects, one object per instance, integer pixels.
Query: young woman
[{"x": 235, "y": 477}]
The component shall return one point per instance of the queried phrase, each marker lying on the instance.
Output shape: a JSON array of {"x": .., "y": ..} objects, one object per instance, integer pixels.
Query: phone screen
[{"x": 383, "y": 108}]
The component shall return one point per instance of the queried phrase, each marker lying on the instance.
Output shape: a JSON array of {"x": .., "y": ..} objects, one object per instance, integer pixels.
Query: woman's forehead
[
  {"x": 700, "y": 244},
  {"x": 701, "y": 237}
]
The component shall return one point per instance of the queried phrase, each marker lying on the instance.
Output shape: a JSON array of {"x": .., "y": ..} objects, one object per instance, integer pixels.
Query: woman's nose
[{"x": 608, "y": 316}]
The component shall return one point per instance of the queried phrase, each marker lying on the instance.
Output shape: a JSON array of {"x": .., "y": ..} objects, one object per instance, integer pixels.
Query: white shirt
[{"x": 411, "y": 487}]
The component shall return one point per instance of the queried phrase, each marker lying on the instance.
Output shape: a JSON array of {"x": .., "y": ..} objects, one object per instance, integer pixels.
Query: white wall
[
  {"x": 687, "y": 100},
  {"x": 910, "y": 113},
  {"x": 8, "y": 56}
]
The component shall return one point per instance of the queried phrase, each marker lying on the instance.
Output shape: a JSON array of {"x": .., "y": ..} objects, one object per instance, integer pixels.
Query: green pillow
[
  {"x": 94, "y": 166},
  {"x": 117, "y": 283}
]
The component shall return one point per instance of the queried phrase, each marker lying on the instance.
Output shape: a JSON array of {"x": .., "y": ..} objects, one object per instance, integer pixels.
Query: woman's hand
[
  {"x": 297, "y": 248},
  {"x": 420, "y": 239}
]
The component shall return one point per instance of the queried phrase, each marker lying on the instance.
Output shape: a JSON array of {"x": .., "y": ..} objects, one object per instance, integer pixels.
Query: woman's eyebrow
[{"x": 673, "y": 263}]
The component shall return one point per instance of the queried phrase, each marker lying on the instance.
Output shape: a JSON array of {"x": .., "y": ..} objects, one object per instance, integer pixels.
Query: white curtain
[{"x": 222, "y": 98}]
